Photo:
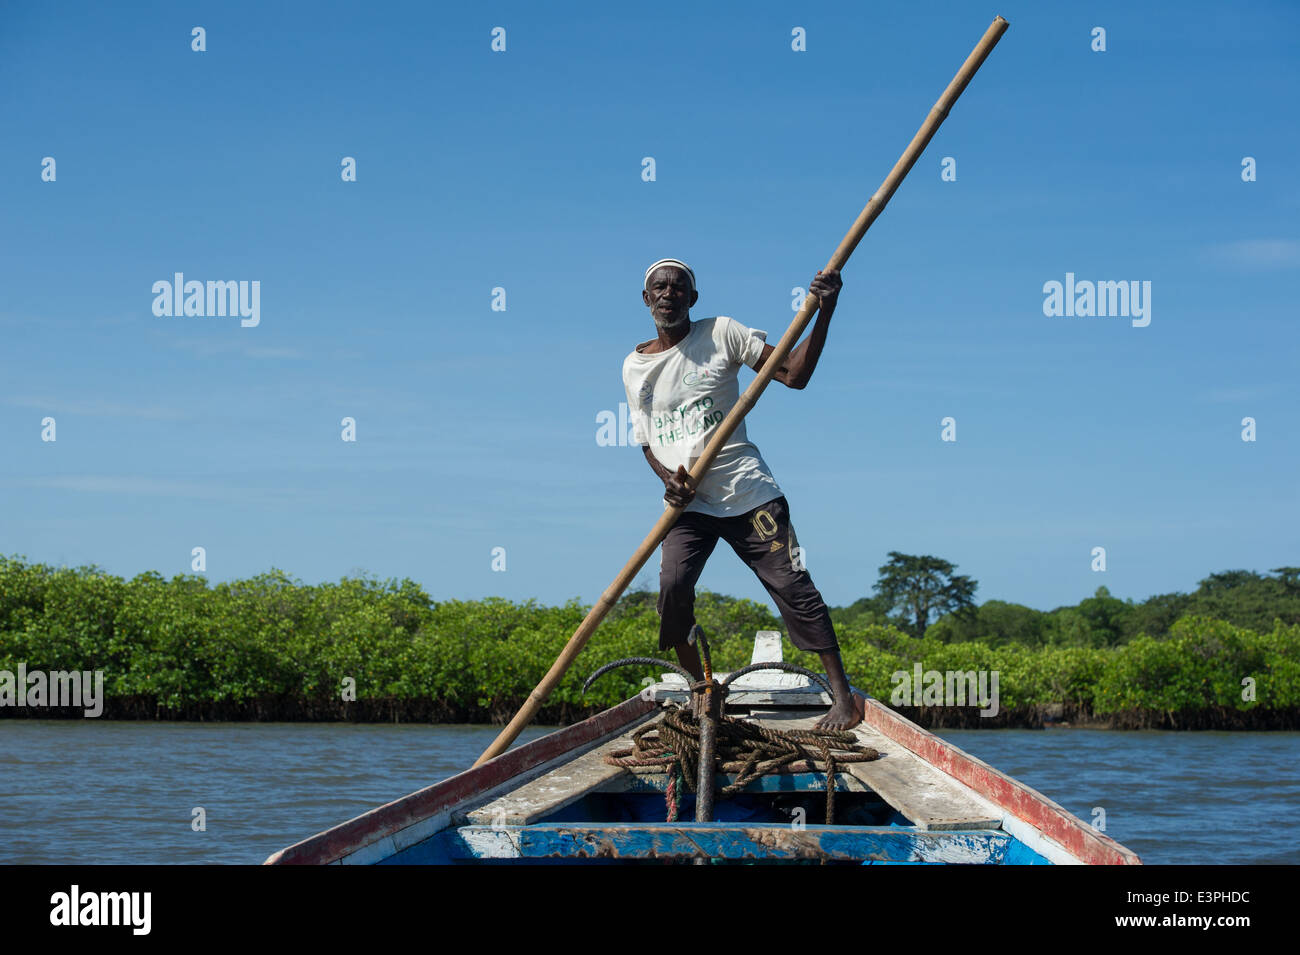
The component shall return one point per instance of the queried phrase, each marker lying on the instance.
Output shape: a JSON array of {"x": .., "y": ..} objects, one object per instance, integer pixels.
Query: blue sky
[{"x": 522, "y": 170}]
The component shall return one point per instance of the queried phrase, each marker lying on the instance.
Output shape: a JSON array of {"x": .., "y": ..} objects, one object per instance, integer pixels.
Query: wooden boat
[{"x": 557, "y": 799}]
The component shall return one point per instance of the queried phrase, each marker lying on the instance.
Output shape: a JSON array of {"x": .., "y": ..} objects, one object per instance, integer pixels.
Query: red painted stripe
[
  {"x": 333, "y": 844},
  {"x": 1079, "y": 839}
]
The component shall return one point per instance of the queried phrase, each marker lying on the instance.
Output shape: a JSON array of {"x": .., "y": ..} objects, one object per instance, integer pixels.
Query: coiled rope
[{"x": 746, "y": 748}]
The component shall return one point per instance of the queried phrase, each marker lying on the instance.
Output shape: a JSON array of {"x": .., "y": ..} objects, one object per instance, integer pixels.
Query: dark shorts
[{"x": 764, "y": 539}]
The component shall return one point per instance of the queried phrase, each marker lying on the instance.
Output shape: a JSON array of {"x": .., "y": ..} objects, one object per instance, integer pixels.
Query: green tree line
[{"x": 271, "y": 647}]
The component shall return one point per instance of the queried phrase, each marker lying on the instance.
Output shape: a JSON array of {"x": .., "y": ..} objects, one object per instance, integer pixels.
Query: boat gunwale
[{"x": 1076, "y": 837}]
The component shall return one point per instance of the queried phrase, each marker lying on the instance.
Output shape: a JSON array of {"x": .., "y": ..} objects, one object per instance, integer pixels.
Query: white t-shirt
[{"x": 676, "y": 398}]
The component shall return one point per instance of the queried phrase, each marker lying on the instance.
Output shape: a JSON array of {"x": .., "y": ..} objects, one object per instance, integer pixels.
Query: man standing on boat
[{"x": 680, "y": 385}]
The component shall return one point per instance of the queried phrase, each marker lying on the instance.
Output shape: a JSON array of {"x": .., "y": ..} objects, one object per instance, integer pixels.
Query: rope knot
[{"x": 747, "y": 749}]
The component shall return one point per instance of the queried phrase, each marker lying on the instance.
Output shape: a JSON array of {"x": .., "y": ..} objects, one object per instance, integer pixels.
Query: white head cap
[{"x": 676, "y": 263}]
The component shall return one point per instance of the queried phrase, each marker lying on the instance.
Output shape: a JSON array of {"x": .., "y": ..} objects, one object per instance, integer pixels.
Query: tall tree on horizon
[
  {"x": 920, "y": 586},
  {"x": 1290, "y": 576}
]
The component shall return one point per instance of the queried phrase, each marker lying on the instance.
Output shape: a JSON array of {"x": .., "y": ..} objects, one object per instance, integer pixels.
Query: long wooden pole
[{"x": 873, "y": 208}]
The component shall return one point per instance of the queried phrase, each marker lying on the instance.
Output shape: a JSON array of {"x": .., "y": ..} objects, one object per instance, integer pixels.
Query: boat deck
[
  {"x": 915, "y": 790},
  {"x": 898, "y": 809}
]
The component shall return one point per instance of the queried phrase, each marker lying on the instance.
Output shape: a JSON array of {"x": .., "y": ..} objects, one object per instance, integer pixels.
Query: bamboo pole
[{"x": 873, "y": 208}]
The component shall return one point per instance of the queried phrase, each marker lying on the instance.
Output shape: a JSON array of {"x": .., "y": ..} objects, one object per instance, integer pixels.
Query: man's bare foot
[
  {"x": 843, "y": 715},
  {"x": 846, "y": 709}
]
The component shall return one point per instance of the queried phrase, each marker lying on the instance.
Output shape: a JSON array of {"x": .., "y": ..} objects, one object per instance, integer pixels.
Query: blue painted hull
[{"x": 721, "y": 842}]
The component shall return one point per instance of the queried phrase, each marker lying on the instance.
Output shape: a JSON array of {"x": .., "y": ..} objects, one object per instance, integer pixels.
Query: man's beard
[{"x": 668, "y": 324}]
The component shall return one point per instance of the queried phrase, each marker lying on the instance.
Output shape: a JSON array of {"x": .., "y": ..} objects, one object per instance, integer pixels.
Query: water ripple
[{"x": 101, "y": 791}]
